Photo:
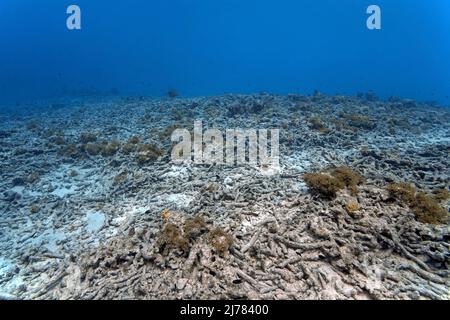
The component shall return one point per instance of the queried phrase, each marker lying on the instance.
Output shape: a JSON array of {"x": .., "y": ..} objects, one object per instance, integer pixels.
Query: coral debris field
[{"x": 91, "y": 206}]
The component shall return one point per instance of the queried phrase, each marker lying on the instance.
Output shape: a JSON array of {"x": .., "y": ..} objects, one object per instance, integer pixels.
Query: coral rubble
[{"x": 92, "y": 207}]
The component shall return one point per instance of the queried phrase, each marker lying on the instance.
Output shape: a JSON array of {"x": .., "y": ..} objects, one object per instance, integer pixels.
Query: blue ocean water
[
  {"x": 107, "y": 193},
  {"x": 204, "y": 47}
]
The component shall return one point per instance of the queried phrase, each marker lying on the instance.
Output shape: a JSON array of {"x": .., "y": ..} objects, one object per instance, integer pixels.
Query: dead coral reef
[
  {"x": 230, "y": 232},
  {"x": 292, "y": 254}
]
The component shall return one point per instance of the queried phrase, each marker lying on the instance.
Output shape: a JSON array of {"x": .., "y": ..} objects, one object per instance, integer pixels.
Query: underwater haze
[
  {"x": 202, "y": 48},
  {"x": 224, "y": 150}
]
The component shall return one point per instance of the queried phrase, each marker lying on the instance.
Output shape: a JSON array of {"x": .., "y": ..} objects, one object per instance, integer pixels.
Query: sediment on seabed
[{"x": 92, "y": 207}]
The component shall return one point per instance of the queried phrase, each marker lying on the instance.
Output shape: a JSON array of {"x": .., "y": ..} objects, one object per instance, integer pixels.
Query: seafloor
[{"x": 91, "y": 206}]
